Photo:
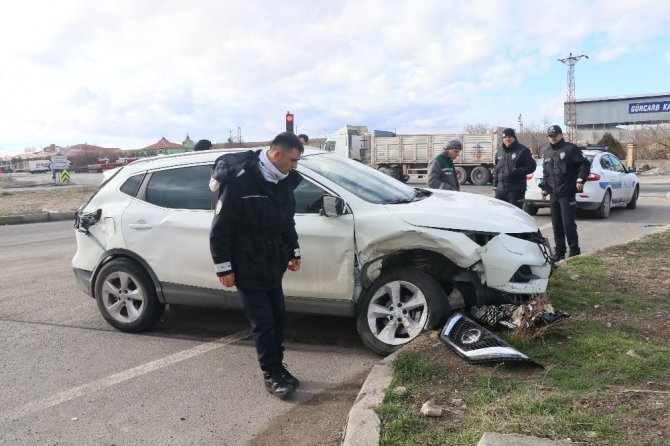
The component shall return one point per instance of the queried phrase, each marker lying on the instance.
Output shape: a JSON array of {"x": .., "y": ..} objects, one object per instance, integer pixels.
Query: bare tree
[
  {"x": 478, "y": 129},
  {"x": 534, "y": 136}
]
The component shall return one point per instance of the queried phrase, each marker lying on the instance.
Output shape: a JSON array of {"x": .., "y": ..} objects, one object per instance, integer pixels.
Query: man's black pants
[
  {"x": 266, "y": 312},
  {"x": 563, "y": 221},
  {"x": 515, "y": 197}
]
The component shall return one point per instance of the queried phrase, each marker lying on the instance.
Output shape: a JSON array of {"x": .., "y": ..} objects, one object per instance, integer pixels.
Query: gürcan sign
[{"x": 649, "y": 107}]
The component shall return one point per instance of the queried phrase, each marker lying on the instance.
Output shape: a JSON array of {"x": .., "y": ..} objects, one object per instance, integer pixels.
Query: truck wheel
[
  {"x": 400, "y": 305},
  {"x": 461, "y": 175},
  {"x": 126, "y": 297},
  {"x": 480, "y": 176},
  {"x": 529, "y": 208}
]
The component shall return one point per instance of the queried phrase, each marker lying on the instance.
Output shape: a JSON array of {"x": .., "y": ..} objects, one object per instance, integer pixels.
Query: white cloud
[{"x": 123, "y": 72}]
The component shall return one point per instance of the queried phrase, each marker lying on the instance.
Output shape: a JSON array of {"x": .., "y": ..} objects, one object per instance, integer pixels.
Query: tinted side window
[
  {"x": 308, "y": 198},
  {"x": 616, "y": 164},
  {"x": 132, "y": 185},
  {"x": 181, "y": 188}
]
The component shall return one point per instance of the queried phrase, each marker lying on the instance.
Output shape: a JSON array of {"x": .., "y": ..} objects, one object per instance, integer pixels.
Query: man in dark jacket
[
  {"x": 441, "y": 171},
  {"x": 513, "y": 162},
  {"x": 565, "y": 172},
  {"x": 253, "y": 241}
]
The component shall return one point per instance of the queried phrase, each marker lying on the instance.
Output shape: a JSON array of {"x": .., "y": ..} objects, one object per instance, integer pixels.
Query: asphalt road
[{"x": 69, "y": 378}]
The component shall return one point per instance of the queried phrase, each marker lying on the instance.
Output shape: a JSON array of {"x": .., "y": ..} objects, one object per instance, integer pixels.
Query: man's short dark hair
[
  {"x": 304, "y": 137},
  {"x": 287, "y": 141},
  {"x": 203, "y": 144}
]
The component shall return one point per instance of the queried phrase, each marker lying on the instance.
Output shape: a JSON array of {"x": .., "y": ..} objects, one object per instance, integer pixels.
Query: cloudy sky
[{"x": 123, "y": 73}]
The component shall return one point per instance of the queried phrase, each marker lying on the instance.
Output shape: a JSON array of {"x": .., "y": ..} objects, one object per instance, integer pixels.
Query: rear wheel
[
  {"x": 401, "y": 304},
  {"x": 632, "y": 204},
  {"x": 529, "y": 208},
  {"x": 126, "y": 297},
  {"x": 480, "y": 176},
  {"x": 461, "y": 174},
  {"x": 605, "y": 207}
]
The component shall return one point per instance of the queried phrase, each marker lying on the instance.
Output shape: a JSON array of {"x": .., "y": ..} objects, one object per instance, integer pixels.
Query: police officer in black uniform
[
  {"x": 253, "y": 241},
  {"x": 565, "y": 171},
  {"x": 513, "y": 162}
]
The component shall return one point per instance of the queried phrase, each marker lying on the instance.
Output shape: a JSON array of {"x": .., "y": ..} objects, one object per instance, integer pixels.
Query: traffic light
[{"x": 289, "y": 122}]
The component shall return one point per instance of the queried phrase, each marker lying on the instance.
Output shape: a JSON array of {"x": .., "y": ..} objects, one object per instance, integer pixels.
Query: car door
[
  {"x": 625, "y": 185},
  {"x": 614, "y": 176},
  {"x": 326, "y": 247},
  {"x": 168, "y": 222}
]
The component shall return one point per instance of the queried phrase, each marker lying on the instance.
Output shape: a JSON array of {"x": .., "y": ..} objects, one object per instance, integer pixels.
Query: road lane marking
[{"x": 116, "y": 378}]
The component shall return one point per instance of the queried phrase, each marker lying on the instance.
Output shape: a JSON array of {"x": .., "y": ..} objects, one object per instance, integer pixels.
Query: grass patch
[{"x": 607, "y": 375}]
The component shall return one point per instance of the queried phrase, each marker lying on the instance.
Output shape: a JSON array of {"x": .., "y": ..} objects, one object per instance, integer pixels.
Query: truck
[
  {"x": 39, "y": 166},
  {"x": 406, "y": 157}
]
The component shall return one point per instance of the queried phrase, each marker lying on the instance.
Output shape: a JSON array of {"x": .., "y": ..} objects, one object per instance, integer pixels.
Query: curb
[
  {"x": 363, "y": 424},
  {"x": 36, "y": 218}
]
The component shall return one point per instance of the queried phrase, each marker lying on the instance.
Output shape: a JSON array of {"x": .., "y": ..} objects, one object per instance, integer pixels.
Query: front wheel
[
  {"x": 632, "y": 204},
  {"x": 402, "y": 303},
  {"x": 126, "y": 297}
]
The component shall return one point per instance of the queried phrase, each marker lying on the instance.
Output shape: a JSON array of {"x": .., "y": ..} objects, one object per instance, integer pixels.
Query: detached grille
[{"x": 476, "y": 344}]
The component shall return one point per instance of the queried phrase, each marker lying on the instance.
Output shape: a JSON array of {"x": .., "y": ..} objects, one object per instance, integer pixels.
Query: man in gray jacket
[{"x": 441, "y": 171}]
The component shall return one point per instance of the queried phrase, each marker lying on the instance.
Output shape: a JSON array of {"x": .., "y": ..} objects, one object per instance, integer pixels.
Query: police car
[
  {"x": 399, "y": 259},
  {"x": 609, "y": 184}
]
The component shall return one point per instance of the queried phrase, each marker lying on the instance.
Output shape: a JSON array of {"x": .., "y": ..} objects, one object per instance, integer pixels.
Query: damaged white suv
[{"x": 398, "y": 258}]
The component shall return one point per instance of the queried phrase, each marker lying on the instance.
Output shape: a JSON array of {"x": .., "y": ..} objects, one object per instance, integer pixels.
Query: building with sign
[{"x": 620, "y": 115}]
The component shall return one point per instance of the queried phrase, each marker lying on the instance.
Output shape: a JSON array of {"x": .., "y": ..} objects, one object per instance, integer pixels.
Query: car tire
[
  {"x": 530, "y": 209},
  {"x": 126, "y": 297},
  {"x": 461, "y": 175},
  {"x": 480, "y": 176},
  {"x": 400, "y": 305},
  {"x": 632, "y": 204},
  {"x": 605, "y": 207}
]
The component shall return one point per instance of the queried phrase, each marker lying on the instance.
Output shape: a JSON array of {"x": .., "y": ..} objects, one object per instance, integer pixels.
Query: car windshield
[{"x": 359, "y": 179}]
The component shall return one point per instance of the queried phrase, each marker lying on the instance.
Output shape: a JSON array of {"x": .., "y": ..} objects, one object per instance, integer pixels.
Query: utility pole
[
  {"x": 520, "y": 123},
  {"x": 570, "y": 107}
]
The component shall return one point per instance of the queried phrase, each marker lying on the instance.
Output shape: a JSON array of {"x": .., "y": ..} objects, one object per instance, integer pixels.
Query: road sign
[
  {"x": 59, "y": 162},
  {"x": 65, "y": 176}
]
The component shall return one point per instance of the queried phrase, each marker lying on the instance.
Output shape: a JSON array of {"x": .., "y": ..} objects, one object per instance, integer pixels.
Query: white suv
[{"x": 398, "y": 258}]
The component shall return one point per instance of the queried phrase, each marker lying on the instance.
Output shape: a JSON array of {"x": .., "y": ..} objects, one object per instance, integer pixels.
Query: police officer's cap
[{"x": 554, "y": 130}]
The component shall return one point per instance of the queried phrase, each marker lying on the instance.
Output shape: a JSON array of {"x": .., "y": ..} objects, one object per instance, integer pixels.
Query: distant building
[
  {"x": 162, "y": 147},
  {"x": 620, "y": 115},
  {"x": 188, "y": 143}
]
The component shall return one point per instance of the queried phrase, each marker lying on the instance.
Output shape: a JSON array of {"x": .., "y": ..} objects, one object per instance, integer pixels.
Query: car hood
[{"x": 464, "y": 211}]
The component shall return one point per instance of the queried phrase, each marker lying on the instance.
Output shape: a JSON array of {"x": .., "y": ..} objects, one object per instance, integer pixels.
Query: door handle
[{"x": 140, "y": 226}]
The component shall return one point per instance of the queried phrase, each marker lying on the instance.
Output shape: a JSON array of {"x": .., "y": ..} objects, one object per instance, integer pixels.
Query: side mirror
[
  {"x": 632, "y": 169},
  {"x": 332, "y": 206}
]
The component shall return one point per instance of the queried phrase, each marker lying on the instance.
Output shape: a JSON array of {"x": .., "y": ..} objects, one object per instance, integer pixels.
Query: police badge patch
[
  {"x": 219, "y": 206},
  {"x": 562, "y": 156},
  {"x": 514, "y": 156}
]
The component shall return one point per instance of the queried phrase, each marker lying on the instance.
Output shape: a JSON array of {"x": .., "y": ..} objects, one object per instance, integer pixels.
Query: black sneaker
[
  {"x": 575, "y": 253},
  {"x": 276, "y": 384},
  {"x": 290, "y": 379},
  {"x": 559, "y": 257}
]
